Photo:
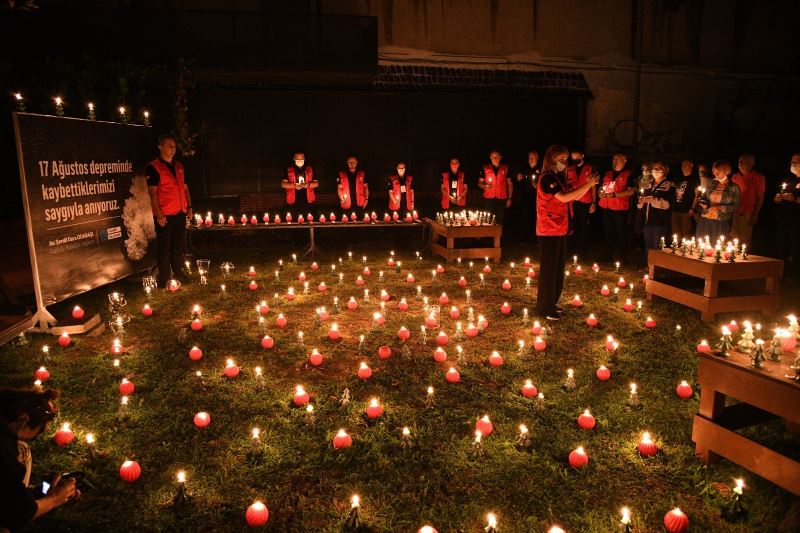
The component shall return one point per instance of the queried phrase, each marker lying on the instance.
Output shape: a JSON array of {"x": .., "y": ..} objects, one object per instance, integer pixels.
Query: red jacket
[
  {"x": 396, "y": 191},
  {"x": 499, "y": 187},
  {"x": 552, "y": 219},
  {"x": 459, "y": 189},
  {"x": 361, "y": 198},
  {"x": 618, "y": 185},
  {"x": 576, "y": 179},
  {"x": 290, "y": 176},
  {"x": 170, "y": 190}
]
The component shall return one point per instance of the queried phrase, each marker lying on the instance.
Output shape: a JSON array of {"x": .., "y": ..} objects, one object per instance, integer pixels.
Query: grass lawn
[{"x": 440, "y": 480}]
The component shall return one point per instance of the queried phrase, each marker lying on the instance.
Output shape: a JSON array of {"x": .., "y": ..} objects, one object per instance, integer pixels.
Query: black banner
[{"x": 86, "y": 202}]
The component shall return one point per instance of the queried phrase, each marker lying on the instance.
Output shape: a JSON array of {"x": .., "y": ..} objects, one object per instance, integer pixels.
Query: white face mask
[{"x": 560, "y": 166}]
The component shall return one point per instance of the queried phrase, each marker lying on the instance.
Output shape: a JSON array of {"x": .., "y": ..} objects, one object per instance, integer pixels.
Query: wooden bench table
[
  {"x": 764, "y": 394},
  {"x": 450, "y": 233},
  {"x": 710, "y": 302}
]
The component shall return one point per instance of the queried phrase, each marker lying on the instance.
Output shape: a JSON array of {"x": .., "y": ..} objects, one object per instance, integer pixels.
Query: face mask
[{"x": 560, "y": 166}]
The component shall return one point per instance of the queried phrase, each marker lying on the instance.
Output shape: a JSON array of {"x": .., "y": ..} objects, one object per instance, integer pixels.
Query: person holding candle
[
  {"x": 525, "y": 187},
  {"x": 24, "y": 415},
  {"x": 352, "y": 183},
  {"x": 496, "y": 185},
  {"x": 299, "y": 177},
  {"x": 400, "y": 189},
  {"x": 718, "y": 203},
  {"x": 655, "y": 206},
  {"x": 614, "y": 197},
  {"x": 686, "y": 188},
  {"x": 752, "y": 185},
  {"x": 788, "y": 200},
  {"x": 581, "y": 209},
  {"x": 454, "y": 190},
  {"x": 553, "y": 196},
  {"x": 172, "y": 207}
]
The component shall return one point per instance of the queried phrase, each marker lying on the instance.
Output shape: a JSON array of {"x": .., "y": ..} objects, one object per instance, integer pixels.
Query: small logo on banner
[{"x": 109, "y": 234}]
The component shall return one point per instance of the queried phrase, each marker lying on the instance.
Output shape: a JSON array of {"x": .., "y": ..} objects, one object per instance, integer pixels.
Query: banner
[{"x": 86, "y": 203}]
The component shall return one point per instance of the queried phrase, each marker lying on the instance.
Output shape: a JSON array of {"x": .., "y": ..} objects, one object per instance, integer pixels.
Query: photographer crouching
[{"x": 24, "y": 415}]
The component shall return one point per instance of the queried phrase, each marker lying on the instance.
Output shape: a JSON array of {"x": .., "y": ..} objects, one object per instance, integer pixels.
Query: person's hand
[
  {"x": 592, "y": 208},
  {"x": 593, "y": 180},
  {"x": 508, "y": 203},
  {"x": 520, "y": 177},
  {"x": 61, "y": 491},
  {"x": 162, "y": 220}
]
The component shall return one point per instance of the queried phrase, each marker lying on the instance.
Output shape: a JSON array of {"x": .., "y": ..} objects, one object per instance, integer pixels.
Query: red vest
[
  {"x": 310, "y": 197},
  {"x": 459, "y": 189},
  {"x": 170, "y": 191},
  {"x": 552, "y": 219},
  {"x": 498, "y": 188},
  {"x": 345, "y": 182},
  {"x": 576, "y": 179},
  {"x": 618, "y": 185},
  {"x": 394, "y": 206}
]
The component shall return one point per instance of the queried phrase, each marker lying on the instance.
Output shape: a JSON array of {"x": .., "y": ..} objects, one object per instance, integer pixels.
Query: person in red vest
[
  {"x": 172, "y": 206},
  {"x": 352, "y": 183},
  {"x": 581, "y": 209},
  {"x": 299, "y": 184},
  {"x": 752, "y": 186},
  {"x": 615, "y": 195},
  {"x": 553, "y": 196},
  {"x": 496, "y": 185},
  {"x": 400, "y": 189},
  {"x": 454, "y": 190}
]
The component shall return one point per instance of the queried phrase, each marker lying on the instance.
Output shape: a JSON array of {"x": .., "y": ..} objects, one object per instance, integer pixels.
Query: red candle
[
  {"x": 539, "y": 345},
  {"x": 482, "y": 322},
  {"x": 439, "y": 355},
  {"x": 290, "y": 295},
  {"x": 264, "y": 219},
  {"x": 231, "y": 221},
  {"x": 315, "y": 358},
  {"x": 289, "y": 218},
  {"x": 130, "y": 471},
  {"x": 253, "y": 286},
  {"x": 323, "y": 220},
  {"x": 596, "y": 268},
  {"x": 300, "y": 396},
  {"x": 359, "y": 281},
  {"x": 472, "y": 330},
  {"x": 366, "y": 218},
  {"x": 243, "y": 220},
  {"x": 627, "y": 306},
  {"x": 703, "y": 347},
  {"x": 195, "y": 353},
  {"x": 605, "y": 291},
  {"x": 462, "y": 282},
  {"x": 675, "y": 521},
  {"x": 591, "y": 321},
  {"x": 254, "y": 220},
  {"x": 344, "y": 217},
  {"x": 506, "y": 285},
  {"x": 384, "y": 295},
  {"x": 267, "y": 342},
  {"x": 202, "y": 419},
  {"x": 263, "y": 308},
  {"x": 395, "y": 216},
  {"x": 484, "y": 425},
  {"x": 197, "y": 325},
  {"x": 126, "y": 387},
  {"x": 403, "y": 305},
  {"x": 505, "y": 308},
  {"x": 280, "y": 321},
  {"x": 366, "y": 272},
  {"x": 454, "y": 313},
  {"x": 301, "y": 219},
  {"x": 431, "y": 321},
  {"x": 536, "y": 329},
  {"x": 410, "y": 278},
  {"x": 647, "y": 448},
  {"x": 603, "y": 373},
  {"x": 64, "y": 435},
  {"x": 41, "y": 374},
  {"x": 733, "y": 326},
  {"x": 578, "y": 458},
  {"x": 257, "y": 514},
  {"x": 147, "y": 310},
  {"x": 487, "y": 269},
  {"x": 611, "y": 344},
  {"x": 684, "y": 390},
  {"x": 529, "y": 390},
  {"x": 403, "y": 334},
  {"x": 352, "y": 304},
  {"x": 578, "y": 270},
  {"x": 373, "y": 216},
  {"x": 443, "y": 299},
  {"x": 342, "y": 440},
  {"x": 576, "y": 301},
  {"x": 452, "y": 375},
  {"x": 384, "y": 352},
  {"x": 117, "y": 348},
  {"x": 495, "y": 359},
  {"x": 64, "y": 340},
  {"x": 386, "y": 217},
  {"x": 301, "y": 276},
  {"x": 277, "y": 219},
  {"x": 531, "y": 273},
  {"x": 322, "y": 287},
  {"x": 333, "y": 333},
  {"x": 586, "y": 420},
  {"x": 621, "y": 283},
  {"x": 77, "y": 312},
  {"x": 649, "y": 323},
  {"x": 174, "y": 286},
  {"x": 231, "y": 369},
  {"x": 364, "y": 371},
  {"x": 252, "y": 272},
  {"x": 374, "y": 410},
  {"x": 442, "y": 339}
]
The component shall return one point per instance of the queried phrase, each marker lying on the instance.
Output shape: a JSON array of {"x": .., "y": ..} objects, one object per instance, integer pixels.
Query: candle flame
[
  {"x": 181, "y": 476},
  {"x": 90, "y": 438}
]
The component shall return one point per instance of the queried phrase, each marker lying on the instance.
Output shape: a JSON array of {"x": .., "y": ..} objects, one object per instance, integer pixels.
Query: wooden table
[
  {"x": 763, "y": 394},
  {"x": 450, "y": 233},
  {"x": 766, "y": 270}
]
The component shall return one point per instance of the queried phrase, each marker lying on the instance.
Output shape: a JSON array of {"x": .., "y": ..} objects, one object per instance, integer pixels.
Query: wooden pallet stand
[{"x": 450, "y": 233}]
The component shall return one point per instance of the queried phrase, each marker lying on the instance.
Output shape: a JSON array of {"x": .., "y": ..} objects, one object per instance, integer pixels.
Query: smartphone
[{"x": 44, "y": 488}]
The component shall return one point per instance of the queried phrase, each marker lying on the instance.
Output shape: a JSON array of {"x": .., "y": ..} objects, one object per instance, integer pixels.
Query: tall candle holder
[
  {"x": 202, "y": 269},
  {"x": 149, "y": 285}
]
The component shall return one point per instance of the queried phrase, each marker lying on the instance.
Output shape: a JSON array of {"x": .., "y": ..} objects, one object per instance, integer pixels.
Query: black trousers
[
  {"x": 615, "y": 228},
  {"x": 552, "y": 258},
  {"x": 170, "y": 244},
  {"x": 579, "y": 223}
]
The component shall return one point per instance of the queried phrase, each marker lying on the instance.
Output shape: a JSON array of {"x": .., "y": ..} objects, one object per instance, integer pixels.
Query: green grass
[{"x": 307, "y": 485}]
